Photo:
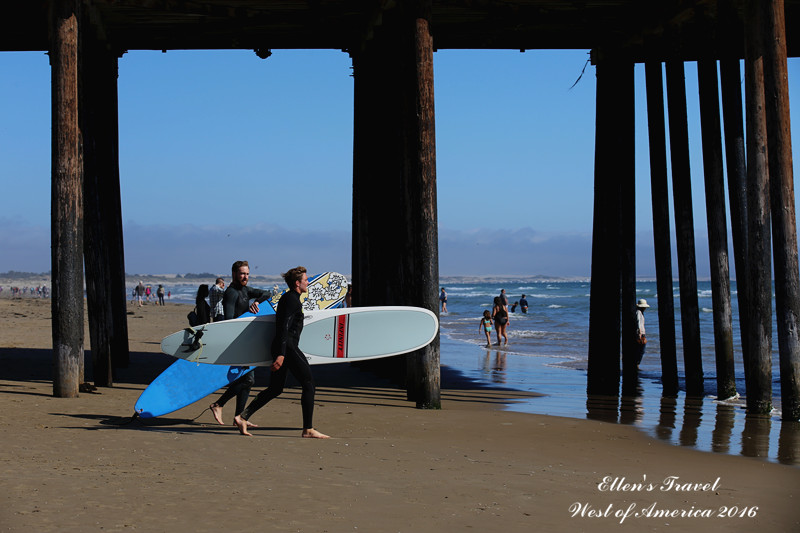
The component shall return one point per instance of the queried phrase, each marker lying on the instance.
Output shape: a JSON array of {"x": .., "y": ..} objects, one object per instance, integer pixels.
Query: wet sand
[{"x": 71, "y": 464}]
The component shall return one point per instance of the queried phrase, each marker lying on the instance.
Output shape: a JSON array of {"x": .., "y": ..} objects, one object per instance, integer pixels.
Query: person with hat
[{"x": 641, "y": 339}]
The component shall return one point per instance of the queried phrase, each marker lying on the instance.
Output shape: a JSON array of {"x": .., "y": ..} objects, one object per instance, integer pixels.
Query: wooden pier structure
[{"x": 392, "y": 44}]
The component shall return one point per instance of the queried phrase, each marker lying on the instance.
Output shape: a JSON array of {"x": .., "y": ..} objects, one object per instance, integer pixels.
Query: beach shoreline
[{"x": 70, "y": 464}]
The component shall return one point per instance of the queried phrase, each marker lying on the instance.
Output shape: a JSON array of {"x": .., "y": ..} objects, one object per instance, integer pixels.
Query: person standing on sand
[
  {"x": 641, "y": 339},
  {"x": 139, "y": 291},
  {"x": 160, "y": 294},
  {"x": 287, "y": 357},
  {"x": 201, "y": 306},
  {"x": 235, "y": 302},
  {"x": 215, "y": 297}
]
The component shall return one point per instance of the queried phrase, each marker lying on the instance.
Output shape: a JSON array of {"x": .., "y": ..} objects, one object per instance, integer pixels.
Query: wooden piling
[
  {"x": 422, "y": 264},
  {"x": 659, "y": 185},
  {"x": 626, "y": 169},
  {"x": 684, "y": 227},
  {"x": 398, "y": 115},
  {"x": 731, "y": 89},
  {"x": 377, "y": 190},
  {"x": 604, "y": 300},
  {"x": 758, "y": 369},
  {"x": 103, "y": 239},
  {"x": 708, "y": 86},
  {"x": 67, "y": 224},
  {"x": 784, "y": 229}
]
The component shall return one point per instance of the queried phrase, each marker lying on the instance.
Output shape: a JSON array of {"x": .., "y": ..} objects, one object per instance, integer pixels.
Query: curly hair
[{"x": 293, "y": 275}]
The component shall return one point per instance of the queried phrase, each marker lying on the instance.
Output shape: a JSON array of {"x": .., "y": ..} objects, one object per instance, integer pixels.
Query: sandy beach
[{"x": 72, "y": 465}]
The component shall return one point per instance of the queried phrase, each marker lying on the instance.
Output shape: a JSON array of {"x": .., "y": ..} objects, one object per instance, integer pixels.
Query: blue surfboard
[{"x": 185, "y": 382}]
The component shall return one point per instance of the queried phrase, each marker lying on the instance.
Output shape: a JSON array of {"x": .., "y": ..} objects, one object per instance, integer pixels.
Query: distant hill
[{"x": 13, "y": 275}]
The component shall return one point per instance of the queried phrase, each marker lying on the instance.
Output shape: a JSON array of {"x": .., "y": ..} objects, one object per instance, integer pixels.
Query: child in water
[{"x": 486, "y": 327}]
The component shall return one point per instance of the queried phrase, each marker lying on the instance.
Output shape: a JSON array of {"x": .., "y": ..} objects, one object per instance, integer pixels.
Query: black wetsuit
[
  {"x": 235, "y": 302},
  {"x": 288, "y": 327}
]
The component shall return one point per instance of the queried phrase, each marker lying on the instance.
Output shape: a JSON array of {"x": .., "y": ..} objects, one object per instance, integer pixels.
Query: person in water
[
  {"x": 287, "y": 357},
  {"x": 500, "y": 316},
  {"x": 486, "y": 326}
]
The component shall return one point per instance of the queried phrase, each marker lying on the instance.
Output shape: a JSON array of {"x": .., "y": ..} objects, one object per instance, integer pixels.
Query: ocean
[{"x": 547, "y": 354}]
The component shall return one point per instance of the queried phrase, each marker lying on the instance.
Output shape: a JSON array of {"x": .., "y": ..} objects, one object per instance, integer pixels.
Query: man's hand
[
  {"x": 254, "y": 307},
  {"x": 277, "y": 363}
]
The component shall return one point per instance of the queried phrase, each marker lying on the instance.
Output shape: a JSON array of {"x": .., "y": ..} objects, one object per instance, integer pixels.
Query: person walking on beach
[
  {"x": 215, "y": 296},
  {"x": 486, "y": 327},
  {"x": 443, "y": 299},
  {"x": 139, "y": 291},
  {"x": 523, "y": 304},
  {"x": 500, "y": 316},
  {"x": 160, "y": 294},
  {"x": 287, "y": 357},
  {"x": 641, "y": 339},
  {"x": 235, "y": 302}
]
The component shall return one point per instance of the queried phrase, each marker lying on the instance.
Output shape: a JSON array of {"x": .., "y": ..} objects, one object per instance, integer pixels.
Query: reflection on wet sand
[
  {"x": 789, "y": 443},
  {"x": 496, "y": 368},
  {"x": 723, "y": 428},
  {"x": 681, "y": 421}
]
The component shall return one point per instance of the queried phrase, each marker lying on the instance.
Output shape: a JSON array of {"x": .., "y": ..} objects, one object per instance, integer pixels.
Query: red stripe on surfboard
[{"x": 340, "y": 347}]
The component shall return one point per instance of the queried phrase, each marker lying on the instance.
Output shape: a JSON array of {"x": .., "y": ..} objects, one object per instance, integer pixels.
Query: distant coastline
[{"x": 29, "y": 279}]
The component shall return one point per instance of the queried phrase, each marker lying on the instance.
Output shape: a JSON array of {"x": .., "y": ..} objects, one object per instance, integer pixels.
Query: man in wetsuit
[
  {"x": 235, "y": 302},
  {"x": 287, "y": 357}
]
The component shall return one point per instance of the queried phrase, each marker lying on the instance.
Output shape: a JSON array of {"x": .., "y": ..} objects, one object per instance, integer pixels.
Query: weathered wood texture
[
  {"x": 659, "y": 186},
  {"x": 784, "y": 229},
  {"x": 422, "y": 264},
  {"x": 605, "y": 298},
  {"x": 67, "y": 224},
  {"x": 684, "y": 227},
  {"x": 395, "y": 234},
  {"x": 731, "y": 89},
  {"x": 758, "y": 369},
  {"x": 708, "y": 85},
  {"x": 103, "y": 240}
]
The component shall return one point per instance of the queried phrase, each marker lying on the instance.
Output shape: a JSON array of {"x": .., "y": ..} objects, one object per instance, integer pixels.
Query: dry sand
[{"x": 68, "y": 464}]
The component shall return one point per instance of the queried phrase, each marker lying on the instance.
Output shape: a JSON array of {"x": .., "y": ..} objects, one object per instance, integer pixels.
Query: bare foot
[
  {"x": 249, "y": 424},
  {"x": 241, "y": 423},
  {"x": 314, "y": 434},
  {"x": 216, "y": 410}
]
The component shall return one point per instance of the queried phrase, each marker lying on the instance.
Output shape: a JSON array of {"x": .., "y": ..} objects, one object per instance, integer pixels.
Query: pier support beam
[
  {"x": 684, "y": 226},
  {"x": 758, "y": 369},
  {"x": 67, "y": 202},
  {"x": 784, "y": 229},
  {"x": 708, "y": 85},
  {"x": 659, "y": 186},
  {"x": 731, "y": 88},
  {"x": 611, "y": 146},
  {"x": 103, "y": 240},
  {"x": 395, "y": 233}
]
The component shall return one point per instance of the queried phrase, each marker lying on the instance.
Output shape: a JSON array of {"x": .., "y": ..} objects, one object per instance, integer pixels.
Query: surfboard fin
[{"x": 195, "y": 345}]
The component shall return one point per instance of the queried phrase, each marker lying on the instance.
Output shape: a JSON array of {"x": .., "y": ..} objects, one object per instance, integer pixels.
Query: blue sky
[{"x": 213, "y": 143}]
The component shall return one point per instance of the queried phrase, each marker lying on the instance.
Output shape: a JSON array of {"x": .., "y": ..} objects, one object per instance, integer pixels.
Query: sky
[{"x": 214, "y": 143}]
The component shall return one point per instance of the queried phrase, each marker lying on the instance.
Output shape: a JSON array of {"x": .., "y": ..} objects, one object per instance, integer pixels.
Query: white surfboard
[{"x": 329, "y": 336}]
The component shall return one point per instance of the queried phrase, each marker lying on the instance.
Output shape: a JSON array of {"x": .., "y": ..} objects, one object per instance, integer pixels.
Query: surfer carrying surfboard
[
  {"x": 235, "y": 302},
  {"x": 287, "y": 357}
]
